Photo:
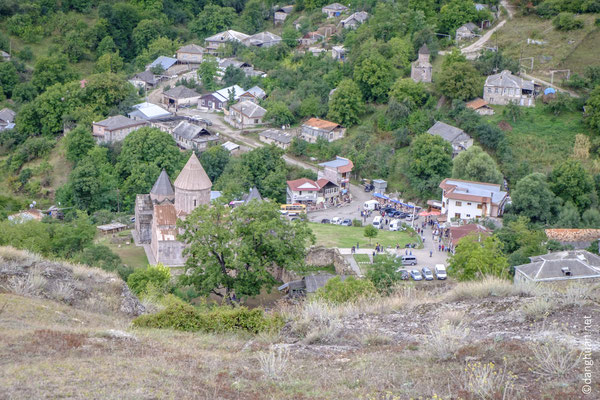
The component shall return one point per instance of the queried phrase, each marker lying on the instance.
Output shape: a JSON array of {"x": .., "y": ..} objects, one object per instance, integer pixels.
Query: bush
[
  {"x": 357, "y": 222},
  {"x": 349, "y": 290},
  {"x": 185, "y": 317},
  {"x": 566, "y": 22},
  {"x": 157, "y": 275}
]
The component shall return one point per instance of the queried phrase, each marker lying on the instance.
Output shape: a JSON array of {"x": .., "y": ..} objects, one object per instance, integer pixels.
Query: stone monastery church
[{"x": 156, "y": 213}]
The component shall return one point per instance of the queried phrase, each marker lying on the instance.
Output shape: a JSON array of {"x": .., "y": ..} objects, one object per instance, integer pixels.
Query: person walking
[
  {"x": 439, "y": 247},
  {"x": 430, "y": 253},
  {"x": 357, "y": 246}
]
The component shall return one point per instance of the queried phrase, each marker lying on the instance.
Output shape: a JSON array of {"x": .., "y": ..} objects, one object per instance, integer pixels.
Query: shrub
[
  {"x": 274, "y": 363},
  {"x": 185, "y": 317},
  {"x": 445, "y": 338},
  {"x": 349, "y": 290},
  {"x": 487, "y": 381},
  {"x": 538, "y": 309},
  {"x": 357, "y": 222},
  {"x": 566, "y": 22},
  {"x": 158, "y": 275},
  {"x": 552, "y": 358}
]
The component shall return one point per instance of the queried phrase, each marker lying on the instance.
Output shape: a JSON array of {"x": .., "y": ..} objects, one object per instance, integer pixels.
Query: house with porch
[
  {"x": 303, "y": 191},
  {"x": 218, "y": 100},
  {"x": 334, "y": 10},
  {"x": 329, "y": 192},
  {"x": 457, "y": 137},
  {"x": 245, "y": 114},
  {"x": 180, "y": 96},
  {"x": 463, "y": 199},
  {"x": 254, "y": 94},
  {"x": 216, "y": 42},
  {"x": 337, "y": 171},
  {"x": 114, "y": 129},
  {"x": 193, "y": 137},
  {"x": 504, "y": 88},
  {"x": 190, "y": 54}
]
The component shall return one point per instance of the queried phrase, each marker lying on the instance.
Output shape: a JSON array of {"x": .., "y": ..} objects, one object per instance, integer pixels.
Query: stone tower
[
  {"x": 421, "y": 70},
  {"x": 162, "y": 189},
  {"x": 192, "y": 187}
]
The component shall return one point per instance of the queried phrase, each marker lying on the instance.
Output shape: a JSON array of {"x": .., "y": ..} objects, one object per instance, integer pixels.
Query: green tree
[
  {"x": 569, "y": 216},
  {"x": 591, "y": 218},
  {"x": 456, "y": 13},
  {"x": 109, "y": 62},
  {"x": 346, "y": 104},
  {"x": 77, "y": 143},
  {"x": 571, "y": 182},
  {"x": 593, "y": 109},
  {"x": 158, "y": 276},
  {"x": 207, "y": 72},
  {"x": 533, "y": 198},
  {"x": 349, "y": 290},
  {"x": 106, "y": 45},
  {"x": 520, "y": 241},
  {"x": 9, "y": 78},
  {"x": 370, "y": 232},
  {"x": 214, "y": 160},
  {"x": 512, "y": 111},
  {"x": 566, "y": 21},
  {"x": 279, "y": 114},
  {"x": 474, "y": 164},
  {"x": 409, "y": 92},
  {"x": 290, "y": 36},
  {"x": 213, "y": 19},
  {"x": 145, "y": 32},
  {"x": 50, "y": 70},
  {"x": 374, "y": 74},
  {"x": 459, "y": 81},
  {"x": 430, "y": 161},
  {"x": 232, "y": 251},
  {"x": 475, "y": 259},
  {"x": 384, "y": 274}
]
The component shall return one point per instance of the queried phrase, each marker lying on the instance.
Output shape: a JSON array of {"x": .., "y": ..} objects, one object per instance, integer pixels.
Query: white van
[
  {"x": 396, "y": 225},
  {"x": 370, "y": 205},
  {"x": 440, "y": 272},
  {"x": 378, "y": 222},
  {"x": 409, "y": 260}
]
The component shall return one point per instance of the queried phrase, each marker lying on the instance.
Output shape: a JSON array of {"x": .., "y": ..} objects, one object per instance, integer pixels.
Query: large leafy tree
[
  {"x": 346, "y": 103},
  {"x": 51, "y": 70},
  {"x": 213, "y": 19},
  {"x": 593, "y": 110},
  {"x": 375, "y": 74},
  {"x": 455, "y": 13},
  {"x": 521, "y": 241},
  {"x": 571, "y": 182},
  {"x": 430, "y": 161},
  {"x": 460, "y": 81},
  {"x": 475, "y": 258},
  {"x": 78, "y": 142},
  {"x": 233, "y": 251},
  {"x": 474, "y": 164},
  {"x": 214, "y": 160},
  {"x": 533, "y": 198},
  {"x": 409, "y": 92},
  {"x": 384, "y": 273},
  {"x": 9, "y": 78}
]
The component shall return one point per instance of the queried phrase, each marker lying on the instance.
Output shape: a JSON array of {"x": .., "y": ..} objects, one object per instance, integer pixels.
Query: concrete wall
[{"x": 323, "y": 256}]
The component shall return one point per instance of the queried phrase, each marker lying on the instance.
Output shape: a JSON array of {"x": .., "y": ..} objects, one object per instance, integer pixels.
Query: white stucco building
[{"x": 468, "y": 200}]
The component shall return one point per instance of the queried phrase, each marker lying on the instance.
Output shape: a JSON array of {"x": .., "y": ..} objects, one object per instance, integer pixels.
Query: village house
[
  {"x": 576, "y": 238},
  {"x": 504, "y": 88},
  {"x": 337, "y": 171},
  {"x": 163, "y": 62},
  {"x": 114, "y": 129},
  {"x": 354, "y": 21},
  {"x": 145, "y": 80},
  {"x": 219, "y": 99},
  {"x": 262, "y": 39},
  {"x": 317, "y": 51},
  {"x": 7, "y": 119},
  {"x": 303, "y": 191},
  {"x": 338, "y": 53},
  {"x": 334, "y": 10},
  {"x": 193, "y": 137},
  {"x": 245, "y": 114},
  {"x": 181, "y": 96},
  {"x": 149, "y": 112},
  {"x": 562, "y": 266},
  {"x": 480, "y": 106},
  {"x": 468, "y": 200},
  {"x": 466, "y": 31},
  {"x": 329, "y": 192},
  {"x": 421, "y": 70},
  {"x": 231, "y": 147},
  {"x": 156, "y": 213},
  {"x": 4, "y": 55},
  {"x": 279, "y": 138},
  {"x": 458, "y": 232},
  {"x": 311, "y": 38},
  {"x": 254, "y": 94},
  {"x": 281, "y": 14},
  {"x": 215, "y": 42},
  {"x": 316, "y": 128},
  {"x": 457, "y": 137},
  {"x": 190, "y": 54}
]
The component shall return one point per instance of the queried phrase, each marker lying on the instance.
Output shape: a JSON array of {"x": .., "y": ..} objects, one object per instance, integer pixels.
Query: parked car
[
  {"x": 336, "y": 220},
  {"x": 427, "y": 273},
  {"x": 440, "y": 272},
  {"x": 404, "y": 275},
  {"x": 412, "y": 217},
  {"x": 346, "y": 222},
  {"x": 377, "y": 222},
  {"x": 295, "y": 219},
  {"x": 389, "y": 210},
  {"x": 396, "y": 225},
  {"x": 325, "y": 221},
  {"x": 416, "y": 275},
  {"x": 368, "y": 187},
  {"x": 409, "y": 260}
]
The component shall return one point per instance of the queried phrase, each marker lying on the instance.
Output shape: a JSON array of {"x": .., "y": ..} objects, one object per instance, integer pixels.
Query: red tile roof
[
  {"x": 321, "y": 124},
  {"x": 303, "y": 184},
  {"x": 477, "y": 103},
  {"x": 459, "y": 232},
  {"x": 573, "y": 235},
  {"x": 322, "y": 182}
]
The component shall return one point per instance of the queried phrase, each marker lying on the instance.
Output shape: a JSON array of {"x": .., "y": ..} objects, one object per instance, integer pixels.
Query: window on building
[
  {"x": 468, "y": 215},
  {"x": 479, "y": 206},
  {"x": 458, "y": 203},
  {"x": 457, "y": 215},
  {"x": 495, "y": 90},
  {"x": 256, "y": 121},
  {"x": 195, "y": 202},
  {"x": 468, "y": 204}
]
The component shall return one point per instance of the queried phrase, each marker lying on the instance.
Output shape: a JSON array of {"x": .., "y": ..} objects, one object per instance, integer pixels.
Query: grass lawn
[
  {"x": 541, "y": 138},
  {"x": 131, "y": 255},
  {"x": 562, "y": 49},
  {"x": 347, "y": 236},
  {"x": 362, "y": 258}
]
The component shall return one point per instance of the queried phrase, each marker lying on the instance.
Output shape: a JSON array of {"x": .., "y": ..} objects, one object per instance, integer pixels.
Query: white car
[
  {"x": 440, "y": 272},
  {"x": 396, "y": 225},
  {"x": 336, "y": 220}
]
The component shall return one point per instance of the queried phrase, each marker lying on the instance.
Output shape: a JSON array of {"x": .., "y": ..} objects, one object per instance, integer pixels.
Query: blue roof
[
  {"x": 549, "y": 91},
  {"x": 338, "y": 162},
  {"x": 382, "y": 196},
  {"x": 165, "y": 62},
  {"x": 214, "y": 195}
]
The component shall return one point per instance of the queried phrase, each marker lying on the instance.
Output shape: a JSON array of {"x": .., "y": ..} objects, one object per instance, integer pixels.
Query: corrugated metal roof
[
  {"x": 164, "y": 62},
  {"x": 181, "y": 92},
  {"x": 447, "y": 132},
  {"x": 249, "y": 109},
  {"x": 118, "y": 122},
  {"x": 321, "y": 124}
]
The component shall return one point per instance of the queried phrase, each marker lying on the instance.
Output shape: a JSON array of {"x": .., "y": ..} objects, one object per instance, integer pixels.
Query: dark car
[
  {"x": 325, "y": 221},
  {"x": 346, "y": 222},
  {"x": 389, "y": 210},
  {"x": 368, "y": 187},
  {"x": 404, "y": 275},
  {"x": 427, "y": 273}
]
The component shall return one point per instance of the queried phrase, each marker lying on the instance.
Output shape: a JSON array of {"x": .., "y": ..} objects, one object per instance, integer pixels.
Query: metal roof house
[
  {"x": 149, "y": 112},
  {"x": 189, "y": 136},
  {"x": 179, "y": 96},
  {"x": 190, "y": 54},
  {"x": 308, "y": 284},
  {"x": 215, "y": 42},
  {"x": 316, "y": 128},
  {"x": 279, "y": 138},
  {"x": 353, "y": 21},
  {"x": 263, "y": 39},
  {"x": 114, "y": 129},
  {"x": 164, "y": 62},
  {"x": 504, "y": 88},
  {"x": 560, "y": 266},
  {"x": 457, "y": 137},
  {"x": 463, "y": 199},
  {"x": 334, "y": 10},
  {"x": 217, "y": 100},
  {"x": 145, "y": 80}
]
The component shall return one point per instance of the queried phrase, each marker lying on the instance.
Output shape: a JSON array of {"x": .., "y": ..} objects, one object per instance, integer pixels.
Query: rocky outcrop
[{"x": 320, "y": 256}]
